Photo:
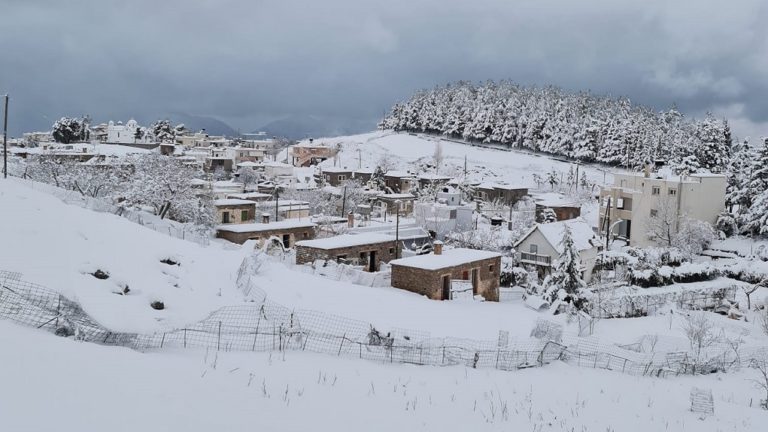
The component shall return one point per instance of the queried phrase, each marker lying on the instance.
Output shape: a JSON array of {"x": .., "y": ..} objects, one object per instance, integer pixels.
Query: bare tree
[
  {"x": 438, "y": 156},
  {"x": 662, "y": 225},
  {"x": 701, "y": 335},
  {"x": 761, "y": 366},
  {"x": 764, "y": 321}
]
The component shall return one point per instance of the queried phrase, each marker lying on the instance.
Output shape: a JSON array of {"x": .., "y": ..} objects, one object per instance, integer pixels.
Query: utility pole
[
  {"x": 608, "y": 223},
  {"x": 397, "y": 230},
  {"x": 277, "y": 204},
  {"x": 359, "y": 159},
  {"x": 344, "y": 202},
  {"x": 5, "y": 139}
]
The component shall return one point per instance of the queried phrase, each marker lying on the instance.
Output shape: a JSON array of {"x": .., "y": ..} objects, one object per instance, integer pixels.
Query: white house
[
  {"x": 447, "y": 214},
  {"x": 126, "y": 133},
  {"x": 627, "y": 207},
  {"x": 540, "y": 247}
]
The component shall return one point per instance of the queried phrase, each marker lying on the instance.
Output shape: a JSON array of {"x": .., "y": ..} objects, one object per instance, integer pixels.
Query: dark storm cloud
[{"x": 251, "y": 61}]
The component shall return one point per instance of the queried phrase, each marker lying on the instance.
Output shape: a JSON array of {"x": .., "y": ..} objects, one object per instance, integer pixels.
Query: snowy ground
[{"x": 50, "y": 383}]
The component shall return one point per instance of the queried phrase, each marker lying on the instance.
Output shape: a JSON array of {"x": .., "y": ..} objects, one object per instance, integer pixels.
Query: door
[
  {"x": 225, "y": 217},
  {"x": 446, "y": 287},
  {"x": 474, "y": 280},
  {"x": 372, "y": 261},
  {"x": 286, "y": 240}
]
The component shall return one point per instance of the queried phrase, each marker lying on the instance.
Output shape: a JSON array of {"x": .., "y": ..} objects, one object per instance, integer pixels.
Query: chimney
[
  {"x": 311, "y": 140},
  {"x": 265, "y": 218},
  {"x": 647, "y": 169},
  {"x": 351, "y": 220},
  {"x": 438, "y": 247}
]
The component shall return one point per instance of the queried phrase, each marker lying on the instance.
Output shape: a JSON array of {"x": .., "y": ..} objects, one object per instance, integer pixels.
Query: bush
[
  {"x": 157, "y": 305},
  {"x": 726, "y": 224}
]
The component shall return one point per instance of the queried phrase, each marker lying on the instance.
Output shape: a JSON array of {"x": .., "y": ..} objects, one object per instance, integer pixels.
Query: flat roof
[
  {"x": 261, "y": 227},
  {"x": 346, "y": 240},
  {"x": 232, "y": 202},
  {"x": 449, "y": 258}
]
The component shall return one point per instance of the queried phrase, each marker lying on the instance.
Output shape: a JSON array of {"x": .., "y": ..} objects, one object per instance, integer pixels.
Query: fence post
[
  {"x": 58, "y": 312},
  {"x": 280, "y": 335},
  {"x": 443, "y": 361},
  {"x": 162, "y": 341},
  {"x": 273, "y": 336},
  {"x": 360, "y": 346},
  {"x": 342, "y": 342},
  {"x": 218, "y": 341},
  {"x": 185, "y": 337}
]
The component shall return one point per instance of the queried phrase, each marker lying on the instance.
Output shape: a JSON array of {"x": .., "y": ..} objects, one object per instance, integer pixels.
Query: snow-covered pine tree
[
  {"x": 565, "y": 281},
  {"x": 755, "y": 220}
]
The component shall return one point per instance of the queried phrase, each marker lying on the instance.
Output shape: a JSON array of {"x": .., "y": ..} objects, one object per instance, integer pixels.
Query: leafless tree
[
  {"x": 662, "y": 225},
  {"x": 438, "y": 156},
  {"x": 701, "y": 334},
  {"x": 761, "y": 382}
]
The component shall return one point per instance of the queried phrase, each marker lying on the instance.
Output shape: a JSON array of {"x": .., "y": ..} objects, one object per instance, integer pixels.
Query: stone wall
[
  {"x": 296, "y": 234},
  {"x": 385, "y": 252},
  {"x": 430, "y": 282}
]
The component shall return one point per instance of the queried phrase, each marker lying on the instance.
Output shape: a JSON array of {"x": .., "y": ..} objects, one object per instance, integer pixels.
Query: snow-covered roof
[
  {"x": 248, "y": 164},
  {"x": 433, "y": 177},
  {"x": 346, "y": 240},
  {"x": 449, "y": 258},
  {"x": 401, "y": 196},
  {"x": 581, "y": 233},
  {"x": 272, "y": 226},
  {"x": 398, "y": 174},
  {"x": 491, "y": 185},
  {"x": 248, "y": 196},
  {"x": 336, "y": 170},
  {"x": 232, "y": 202}
]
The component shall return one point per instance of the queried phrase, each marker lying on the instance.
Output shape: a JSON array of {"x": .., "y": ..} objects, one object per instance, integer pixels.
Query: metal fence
[{"x": 263, "y": 325}]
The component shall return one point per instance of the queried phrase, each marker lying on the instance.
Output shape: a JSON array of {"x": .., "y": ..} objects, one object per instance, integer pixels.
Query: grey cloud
[{"x": 249, "y": 62}]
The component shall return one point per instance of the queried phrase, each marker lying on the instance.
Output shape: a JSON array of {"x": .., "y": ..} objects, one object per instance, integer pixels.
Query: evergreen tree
[
  {"x": 754, "y": 220},
  {"x": 565, "y": 281}
]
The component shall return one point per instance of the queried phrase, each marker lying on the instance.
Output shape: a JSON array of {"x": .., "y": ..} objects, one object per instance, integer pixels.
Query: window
[
  {"x": 362, "y": 255},
  {"x": 243, "y": 215},
  {"x": 490, "y": 268},
  {"x": 655, "y": 190},
  {"x": 391, "y": 251},
  {"x": 306, "y": 235},
  {"x": 342, "y": 177},
  {"x": 341, "y": 258},
  {"x": 654, "y": 213},
  {"x": 672, "y": 191},
  {"x": 534, "y": 249},
  {"x": 225, "y": 217}
]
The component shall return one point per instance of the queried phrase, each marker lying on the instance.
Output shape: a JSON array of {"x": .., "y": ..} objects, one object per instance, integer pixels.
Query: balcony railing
[{"x": 535, "y": 258}]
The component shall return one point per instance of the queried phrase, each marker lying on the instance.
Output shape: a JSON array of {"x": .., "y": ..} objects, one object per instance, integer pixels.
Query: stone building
[
  {"x": 234, "y": 211},
  {"x": 437, "y": 275},
  {"x": 503, "y": 193},
  {"x": 399, "y": 182},
  {"x": 563, "y": 210},
  {"x": 334, "y": 176},
  {"x": 287, "y": 231},
  {"x": 369, "y": 250}
]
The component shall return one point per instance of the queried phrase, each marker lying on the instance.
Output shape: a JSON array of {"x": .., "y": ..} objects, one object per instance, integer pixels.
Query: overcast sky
[{"x": 251, "y": 61}]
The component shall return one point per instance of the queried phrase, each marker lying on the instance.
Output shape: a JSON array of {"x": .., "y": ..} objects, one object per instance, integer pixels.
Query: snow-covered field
[{"x": 50, "y": 383}]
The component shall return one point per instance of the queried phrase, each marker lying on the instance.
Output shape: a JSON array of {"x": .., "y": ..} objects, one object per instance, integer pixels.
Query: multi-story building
[{"x": 628, "y": 208}]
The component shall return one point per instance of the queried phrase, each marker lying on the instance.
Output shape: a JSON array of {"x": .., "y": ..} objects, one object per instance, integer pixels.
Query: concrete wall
[
  {"x": 235, "y": 214},
  {"x": 430, "y": 282}
]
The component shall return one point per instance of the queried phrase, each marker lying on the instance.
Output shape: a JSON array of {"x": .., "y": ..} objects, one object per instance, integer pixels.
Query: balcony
[{"x": 536, "y": 259}]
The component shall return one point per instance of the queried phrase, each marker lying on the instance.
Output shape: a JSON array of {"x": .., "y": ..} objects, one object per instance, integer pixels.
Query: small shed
[
  {"x": 432, "y": 275},
  {"x": 288, "y": 231},
  {"x": 369, "y": 250},
  {"x": 234, "y": 211}
]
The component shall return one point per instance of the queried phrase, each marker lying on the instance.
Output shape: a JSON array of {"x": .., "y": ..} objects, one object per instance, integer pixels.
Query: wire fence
[
  {"x": 262, "y": 325},
  {"x": 189, "y": 232}
]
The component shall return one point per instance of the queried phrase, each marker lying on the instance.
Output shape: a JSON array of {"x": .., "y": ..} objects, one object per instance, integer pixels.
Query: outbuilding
[
  {"x": 287, "y": 231},
  {"x": 440, "y": 274},
  {"x": 368, "y": 249}
]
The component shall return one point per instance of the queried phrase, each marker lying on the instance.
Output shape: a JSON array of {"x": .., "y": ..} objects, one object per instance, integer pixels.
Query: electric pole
[{"x": 5, "y": 139}]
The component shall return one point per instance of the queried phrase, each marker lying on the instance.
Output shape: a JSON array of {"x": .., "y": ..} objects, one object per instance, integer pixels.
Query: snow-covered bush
[
  {"x": 694, "y": 272},
  {"x": 565, "y": 282},
  {"x": 726, "y": 224},
  {"x": 512, "y": 275},
  {"x": 694, "y": 236}
]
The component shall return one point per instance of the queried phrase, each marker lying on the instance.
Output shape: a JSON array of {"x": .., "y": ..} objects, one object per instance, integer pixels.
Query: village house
[
  {"x": 542, "y": 245},
  {"x": 128, "y": 134},
  {"x": 287, "y": 232},
  {"x": 502, "y": 193},
  {"x": 234, "y": 211},
  {"x": 305, "y": 154},
  {"x": 389, "y": 203},
  {"x": 441, "y": 274},
  {"x": 427, "y": 180},
  {"x": 334, "y": 176},
  {"x": 399, "y": 182},
  {"x": 363, "y": 175},
  {"x": 627, "y": 207},
  {"x": 286, "y": 209},
  {"x": 245, "y": 154},
  {"x": 368, "y": 250},
  {"x": 447, "y": 214},
  {"x": 563, "y": 210},
  {"x": 215, "y": 163}
]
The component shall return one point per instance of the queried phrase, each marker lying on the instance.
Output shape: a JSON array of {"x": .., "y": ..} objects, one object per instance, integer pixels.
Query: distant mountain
[
  {"x": 195, "y": 123},
  {"x": 304, "y": 126}
]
